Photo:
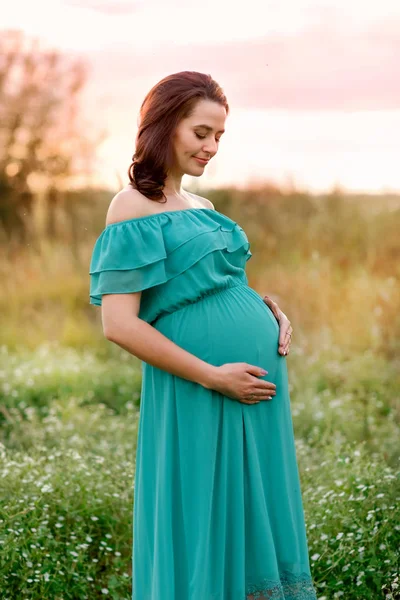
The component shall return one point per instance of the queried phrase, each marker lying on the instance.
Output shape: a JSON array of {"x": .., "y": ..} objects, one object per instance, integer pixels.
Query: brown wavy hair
[{"x": 168, "y": 102}]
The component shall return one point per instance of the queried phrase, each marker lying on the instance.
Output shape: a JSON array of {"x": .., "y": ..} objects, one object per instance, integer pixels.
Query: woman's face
[{"x": 198, "y": 136}]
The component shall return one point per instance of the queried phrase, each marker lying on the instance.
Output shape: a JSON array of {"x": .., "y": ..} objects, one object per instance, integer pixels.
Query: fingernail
[{"x": 264, "y": 372}]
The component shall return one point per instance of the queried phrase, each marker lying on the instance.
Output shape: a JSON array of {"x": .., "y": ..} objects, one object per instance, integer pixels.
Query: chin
[{"x": 195, "y": 172}]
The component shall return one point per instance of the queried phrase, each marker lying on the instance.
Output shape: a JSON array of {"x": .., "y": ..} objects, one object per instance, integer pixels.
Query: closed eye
[{"x": 203, "y": 137}]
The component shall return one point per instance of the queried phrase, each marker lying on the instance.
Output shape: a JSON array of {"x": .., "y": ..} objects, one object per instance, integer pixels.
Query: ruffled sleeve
[{"x": 127, "y": 257}]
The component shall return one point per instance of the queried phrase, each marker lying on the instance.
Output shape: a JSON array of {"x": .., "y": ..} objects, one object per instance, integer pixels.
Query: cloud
[{"x": 319, "y": 69}]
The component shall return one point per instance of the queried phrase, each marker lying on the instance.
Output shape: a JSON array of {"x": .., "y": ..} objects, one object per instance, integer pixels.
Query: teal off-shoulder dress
[{"x": 218, "y": 511}]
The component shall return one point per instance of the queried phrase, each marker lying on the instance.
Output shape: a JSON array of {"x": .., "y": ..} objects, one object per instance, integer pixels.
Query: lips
[{"x": 203, "y": 161}]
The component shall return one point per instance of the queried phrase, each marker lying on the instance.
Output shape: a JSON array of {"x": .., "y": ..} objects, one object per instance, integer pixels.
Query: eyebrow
[{"x": 210, "y": 128}]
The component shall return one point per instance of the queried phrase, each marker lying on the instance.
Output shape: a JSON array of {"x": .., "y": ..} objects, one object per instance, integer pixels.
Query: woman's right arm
[{"x": 122, "y": 326}]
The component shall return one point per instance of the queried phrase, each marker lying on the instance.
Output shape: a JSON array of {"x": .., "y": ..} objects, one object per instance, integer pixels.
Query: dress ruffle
[{"x": 136, "y": 254}]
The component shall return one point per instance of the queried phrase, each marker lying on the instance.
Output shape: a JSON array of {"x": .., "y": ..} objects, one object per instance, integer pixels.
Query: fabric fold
[{"x": 137, "y": 254}]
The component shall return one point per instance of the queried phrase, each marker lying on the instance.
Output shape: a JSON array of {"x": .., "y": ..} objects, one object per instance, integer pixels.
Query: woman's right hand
[{"x": 240, "y": 381}]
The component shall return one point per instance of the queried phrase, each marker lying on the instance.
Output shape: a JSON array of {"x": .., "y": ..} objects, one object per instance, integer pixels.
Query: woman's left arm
[{"x": 285, "y": 327}]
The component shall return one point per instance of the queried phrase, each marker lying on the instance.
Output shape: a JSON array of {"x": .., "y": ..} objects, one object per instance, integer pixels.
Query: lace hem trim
[{"x": 290, "y": 587}]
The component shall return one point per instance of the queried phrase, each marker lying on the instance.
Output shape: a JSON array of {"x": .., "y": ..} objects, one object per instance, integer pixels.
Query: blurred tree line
[{"x": 43, "y": 143}]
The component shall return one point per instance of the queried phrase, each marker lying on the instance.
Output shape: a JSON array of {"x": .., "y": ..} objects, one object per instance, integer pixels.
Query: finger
[
  {"x": 272, "y": 305},
  {"x": 265, "y": 389},
  {"x": 282, "y": 336},
  {"x": 270, "y": 387},
  {"x": 267, "y": 300},
  {"x": 286, "y": 337},
  {"x": 285, "y": 348},
  {"x": 276, "y": 313},
  {"x": 258, "y": 398},
  {"x": 263, "y": 396}
]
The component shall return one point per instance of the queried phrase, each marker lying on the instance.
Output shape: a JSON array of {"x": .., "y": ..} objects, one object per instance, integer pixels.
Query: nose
[{"x": 210, "y": 148}]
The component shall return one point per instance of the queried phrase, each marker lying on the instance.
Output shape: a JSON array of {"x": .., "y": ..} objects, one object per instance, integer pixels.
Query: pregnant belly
[{"x": 233, "y": 325}]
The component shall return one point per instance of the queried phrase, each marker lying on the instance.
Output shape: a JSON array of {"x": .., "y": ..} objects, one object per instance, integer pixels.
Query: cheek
[
  {"x": 184, "y": 148},
  {"x": 191, "y": 143}
]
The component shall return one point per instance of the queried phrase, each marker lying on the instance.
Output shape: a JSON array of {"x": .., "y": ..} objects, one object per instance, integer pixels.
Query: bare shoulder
[
  {"x": 128, "y": 203},
  {"x": 205, "y": 202}
]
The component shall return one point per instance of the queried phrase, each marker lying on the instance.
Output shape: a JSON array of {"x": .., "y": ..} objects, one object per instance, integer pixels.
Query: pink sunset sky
[{"x": 313, "y": 86}]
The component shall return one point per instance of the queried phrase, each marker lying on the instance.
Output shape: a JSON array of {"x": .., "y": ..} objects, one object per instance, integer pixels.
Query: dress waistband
[{"x": 212, "y": 292}]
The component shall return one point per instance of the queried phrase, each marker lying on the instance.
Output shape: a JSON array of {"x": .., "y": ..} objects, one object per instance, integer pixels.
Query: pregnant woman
[{"x": 218, "y": 511}]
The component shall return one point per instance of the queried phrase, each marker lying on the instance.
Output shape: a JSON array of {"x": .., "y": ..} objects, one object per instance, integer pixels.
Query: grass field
[{"x": 69, "y": 400}]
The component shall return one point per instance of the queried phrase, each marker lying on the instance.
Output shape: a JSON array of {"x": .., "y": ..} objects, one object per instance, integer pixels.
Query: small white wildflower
[
  {"x": 315, "y": 556},
  {"x": 47, "y": 488}
]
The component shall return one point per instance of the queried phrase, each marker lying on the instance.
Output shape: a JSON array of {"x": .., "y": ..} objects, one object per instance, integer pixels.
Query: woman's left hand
[{"x": 285, "y": 327}]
